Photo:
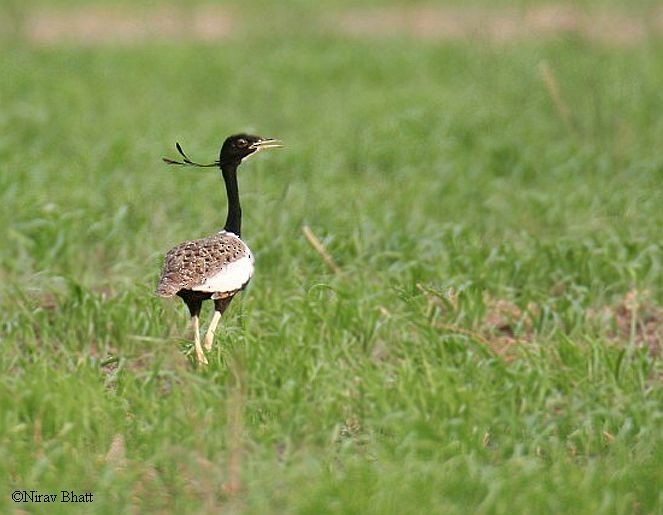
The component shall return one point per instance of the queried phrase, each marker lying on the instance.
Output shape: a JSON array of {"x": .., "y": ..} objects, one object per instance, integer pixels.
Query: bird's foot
[
  {"x": 196, "y": 341},
  {"x": 201, "y": 357},
  {"x": 209, "y": 340}
]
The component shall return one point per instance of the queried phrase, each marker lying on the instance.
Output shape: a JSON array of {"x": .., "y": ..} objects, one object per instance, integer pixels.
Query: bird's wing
[{"x": 219, "y": 264}]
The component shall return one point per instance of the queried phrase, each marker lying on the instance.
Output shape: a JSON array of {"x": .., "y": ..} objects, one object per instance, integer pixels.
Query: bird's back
[{"x": 220, "y": 264}]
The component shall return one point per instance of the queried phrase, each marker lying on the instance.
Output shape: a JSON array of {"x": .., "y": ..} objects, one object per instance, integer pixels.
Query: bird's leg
[
  {"x": 194, "y": 303},
  {"x": 209, "y": 335},
  {"x": 196, "y": 340},
  {"x": 220, "y": 306}
]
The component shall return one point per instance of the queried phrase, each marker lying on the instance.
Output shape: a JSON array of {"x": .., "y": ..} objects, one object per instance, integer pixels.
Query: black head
[
  {"x": 233, "y": 151},
  {"x": 240, "y": 146}
]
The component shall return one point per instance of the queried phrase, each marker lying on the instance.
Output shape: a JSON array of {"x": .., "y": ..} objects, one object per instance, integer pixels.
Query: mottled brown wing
[{"x": 192, "y": 262}]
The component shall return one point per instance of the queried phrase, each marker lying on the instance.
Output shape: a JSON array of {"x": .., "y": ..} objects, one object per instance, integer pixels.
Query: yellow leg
[
  {"x": 209, "y": 335},
  {"x": 196, "y": 340}
]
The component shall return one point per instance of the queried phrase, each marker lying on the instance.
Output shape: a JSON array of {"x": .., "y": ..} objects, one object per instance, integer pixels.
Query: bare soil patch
[
  {"x": 95, "y": 24},
  {"x": 90, "y": 25},
  {"x": 503, "y": 25},
  {"x": 635, "y": 318},
  {"x": 505, "y": 326}
]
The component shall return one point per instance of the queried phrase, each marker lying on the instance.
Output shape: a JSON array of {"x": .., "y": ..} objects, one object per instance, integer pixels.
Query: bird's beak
[{"x": 267, "y": 143}]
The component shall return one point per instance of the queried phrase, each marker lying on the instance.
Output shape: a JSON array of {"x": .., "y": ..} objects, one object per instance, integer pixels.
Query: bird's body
[{"x": 221, "y": 265}]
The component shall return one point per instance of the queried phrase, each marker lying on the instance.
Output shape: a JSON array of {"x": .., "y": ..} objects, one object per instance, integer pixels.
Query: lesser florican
[{"x": 221, "y": 265}]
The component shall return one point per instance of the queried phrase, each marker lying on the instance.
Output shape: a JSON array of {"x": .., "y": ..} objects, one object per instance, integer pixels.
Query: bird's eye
[{"x": 241, "y": 143}]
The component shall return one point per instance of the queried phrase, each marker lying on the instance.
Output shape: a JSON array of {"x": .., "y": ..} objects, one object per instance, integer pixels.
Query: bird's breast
[{"x": 235, "y": 271}]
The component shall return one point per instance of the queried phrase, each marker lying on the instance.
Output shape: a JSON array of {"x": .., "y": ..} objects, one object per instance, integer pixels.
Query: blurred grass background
[{"x": 492, "y": 344}]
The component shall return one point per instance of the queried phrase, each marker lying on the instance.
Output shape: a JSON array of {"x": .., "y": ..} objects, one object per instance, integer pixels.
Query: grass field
[{"x": 492, "y": 343}]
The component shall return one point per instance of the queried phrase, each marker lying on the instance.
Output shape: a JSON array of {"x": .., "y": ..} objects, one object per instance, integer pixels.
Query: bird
[{"x": 221, "y": 265}]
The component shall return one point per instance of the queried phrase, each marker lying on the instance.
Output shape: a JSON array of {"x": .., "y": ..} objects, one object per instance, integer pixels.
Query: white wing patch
[{"x": 232, "y": 277}]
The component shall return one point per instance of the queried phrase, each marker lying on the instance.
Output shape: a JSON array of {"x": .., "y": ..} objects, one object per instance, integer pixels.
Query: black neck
[{"x": 234, "y": 219}]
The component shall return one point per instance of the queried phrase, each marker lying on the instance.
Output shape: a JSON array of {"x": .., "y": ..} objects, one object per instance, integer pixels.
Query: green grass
[{"x": 443, "y": 166}]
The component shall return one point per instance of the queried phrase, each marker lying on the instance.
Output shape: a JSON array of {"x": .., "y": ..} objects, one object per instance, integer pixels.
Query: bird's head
[
  {"x": 233, "y": 151},
  {"x": 240, "y": 146}
]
